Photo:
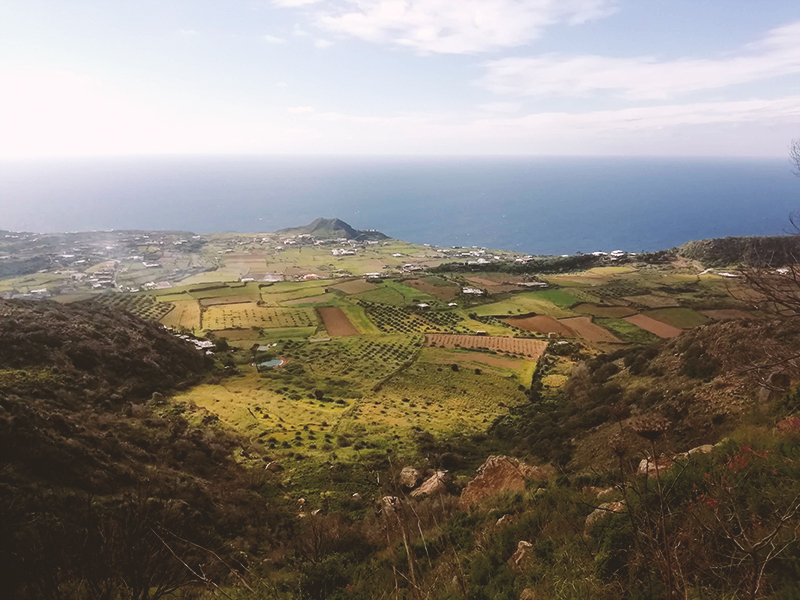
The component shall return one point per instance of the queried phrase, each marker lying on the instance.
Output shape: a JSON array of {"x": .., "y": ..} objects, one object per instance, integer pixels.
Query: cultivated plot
[
  {"x": 658, "y": 328},
  {"x": 336, "y": 322},
  {"x": 584, "y": 327},
  {"x": 232, "y": 316},
  {"x": 524, "y": 346}
]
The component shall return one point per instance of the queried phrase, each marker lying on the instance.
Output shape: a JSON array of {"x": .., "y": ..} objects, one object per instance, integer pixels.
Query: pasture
[
  {"x": 526, "y": 302},
  {"x": 682, "y": 318},
  {"x": 185, "y": 314}
]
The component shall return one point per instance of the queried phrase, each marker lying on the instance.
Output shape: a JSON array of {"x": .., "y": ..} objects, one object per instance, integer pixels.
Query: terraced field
[{"x": 141, "y": 305}]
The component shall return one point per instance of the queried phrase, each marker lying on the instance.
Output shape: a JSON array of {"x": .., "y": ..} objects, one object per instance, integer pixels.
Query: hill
[
  {"x": 773, "y": 251},
  {"x": 334, "y": 228},
  {"x": 98, "y": 467}
]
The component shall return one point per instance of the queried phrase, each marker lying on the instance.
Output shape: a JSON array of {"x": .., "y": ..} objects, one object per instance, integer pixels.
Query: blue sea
[{"x": 536, "y": 205}]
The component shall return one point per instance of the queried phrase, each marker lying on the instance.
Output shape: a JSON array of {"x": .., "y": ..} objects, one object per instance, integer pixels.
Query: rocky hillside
[{"x": 774, "y": 251}]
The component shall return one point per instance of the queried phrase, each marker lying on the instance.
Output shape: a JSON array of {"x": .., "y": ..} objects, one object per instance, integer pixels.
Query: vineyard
[{"x": 142, "y": 306}]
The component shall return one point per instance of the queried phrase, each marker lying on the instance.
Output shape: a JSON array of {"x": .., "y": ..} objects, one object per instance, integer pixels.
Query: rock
[
  {"x": 390, "y": 504},
  {"x": 596, "y": 491},
  {"x": 315, "y": 512},
  {"x": 648, "y": 467},
  {"x": 789, "y": 426},
  {"x": 500, "y": 474},
  {"x": 504, "y": 520},
  {"x": 527, "y": 594},
  {"x": 435, "y": 484},
  {"x": 601, "y": 512},
  {"x": 777, "y": 384},
  {"x": 410, "y": 477},
  {"x": 515, "y": 562},
  {"x": 704, "y": 449},
  {"x": 356, "y": 497},
  {"x": 274, "y": 467}
]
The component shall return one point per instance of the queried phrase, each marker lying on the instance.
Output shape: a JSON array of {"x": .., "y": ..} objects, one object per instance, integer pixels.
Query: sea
[{"x": 533, "y": 205}]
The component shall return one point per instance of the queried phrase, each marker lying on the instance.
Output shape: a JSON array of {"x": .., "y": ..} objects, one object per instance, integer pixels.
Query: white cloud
[
  {"x": 298, "y": 31},
  {"x": 272, "y": 39},
  {"x": 292, "y": 3},
  {"x": 187, "y": 32},
  {"x": 282, "y": 84},
  {"x": 645, "y": 77},
  {"x": 451, "y": 26},
  {"x": 782, "y": 110},
  {"x": 501, "y": 107},
  {"x": 322, "y": 44},
  {"x": 300, "y": 109}
]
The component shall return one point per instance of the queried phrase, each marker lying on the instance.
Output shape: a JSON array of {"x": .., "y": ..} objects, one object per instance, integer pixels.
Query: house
[
  {"x": 423, "y": 305},
  {"x": 474, "y": 291},
  {"x": 453, "y": 304}
]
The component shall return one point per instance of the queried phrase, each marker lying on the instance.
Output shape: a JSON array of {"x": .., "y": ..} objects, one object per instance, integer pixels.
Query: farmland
[
  {"x": 336, "y": 322},
  {"x": 520, "y": 346},
  {"x": 233, "y": 316}
]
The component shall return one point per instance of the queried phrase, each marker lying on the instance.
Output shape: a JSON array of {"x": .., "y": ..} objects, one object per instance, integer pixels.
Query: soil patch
[
  {"x": 336, "y": 322},
  {"x": 541, "y": 324},
  {"x": 468, "y": 357},
  {"x": 658, "y": 328},
  {"x": 442, "y": 292},
  {"x": 584, "y": 327}
]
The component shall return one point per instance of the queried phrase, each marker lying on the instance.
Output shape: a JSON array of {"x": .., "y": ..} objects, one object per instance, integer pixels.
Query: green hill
[{"x": 334, "y": 228}]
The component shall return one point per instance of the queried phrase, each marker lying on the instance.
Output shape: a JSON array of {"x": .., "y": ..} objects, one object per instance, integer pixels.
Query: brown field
[
  {"x": 611, "y": 312},
  {"x": 236, "y": 299},
  {"x": 651, "y": 301},
  {"x": 310, "y": 300},
  {"x": 355, "y": 287},
  {"x": 727, "y": 313},
  {"x": 584, "y": 327},
  {"x": 494, "y": 286},
  {"x": 185, "y": 314},
  {"x": 658, "y": 328},
  {"x": 541, "y": 324},
  {"x": 336, "y": 322},
  {"x": 443, "y": 292},
  {"x": 527, "y": 347}
]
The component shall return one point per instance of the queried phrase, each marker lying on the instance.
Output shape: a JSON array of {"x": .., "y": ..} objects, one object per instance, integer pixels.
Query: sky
[{"x": 399, "y": 77}]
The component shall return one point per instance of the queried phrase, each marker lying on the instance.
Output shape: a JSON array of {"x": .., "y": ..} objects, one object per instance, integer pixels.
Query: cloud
[
  {"x": 298, "y": 31},
  {"x": 187, "y": 32},
  {"x": 451, "y": 26},
  {"x": 322, "y": 44},
  {"x": 293, "y": 3},
  {"x": 282, "y": 84},
  {"x": 642, "y": 78},
  {"x": 781, "y": 110},
  {"x": 300, "y": 109},
  {"x": 272, "y": 39},
  {"x": 501, "y": 107}
]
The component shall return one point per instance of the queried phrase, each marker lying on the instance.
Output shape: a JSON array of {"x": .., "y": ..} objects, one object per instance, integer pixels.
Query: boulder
[
  {"x": 516, "y": 560},
  {"x": 273, "y": 466},
  {"x": 500, "y": 474},
  {"x": 777, "y": 384},
  {"x": 601, "y": 512},
  {"x": 356, "y": 497},
  {"x": 390, "y": 504},
  {"x": 435, "y": 484},
  {"x": 410, "y": 477},
  {"x": 504, "y": 520},
  {"x": 596, "y": 491},
  {"x": 648, "y": 467},
  {"x": 704, "y": 449}
]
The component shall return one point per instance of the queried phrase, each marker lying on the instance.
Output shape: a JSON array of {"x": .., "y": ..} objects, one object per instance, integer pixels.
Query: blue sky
[{"x": 408, "y": 77}]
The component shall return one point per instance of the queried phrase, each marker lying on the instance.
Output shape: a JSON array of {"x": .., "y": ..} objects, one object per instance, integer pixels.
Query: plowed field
[
  {"x": 541, "y": 324},
  {"x": 584, "y": 327},
  {"x": 336, "y": 322},
  {"x": 727, "y": 313},
  {"x": 527, "y": 347},
  {"x": 658, "y": 328}
]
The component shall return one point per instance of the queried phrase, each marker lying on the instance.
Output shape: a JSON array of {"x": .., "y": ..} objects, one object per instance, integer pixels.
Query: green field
[
  {"x": 395, "y": 294},
  {"x": 682, "y": 318},
  {"x": 526, "y": 302},
  {"x": 627, "y": 332}
]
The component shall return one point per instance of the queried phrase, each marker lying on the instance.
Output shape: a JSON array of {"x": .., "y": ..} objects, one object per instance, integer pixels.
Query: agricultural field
[
  {"x": 233, "y": 316},
  {"x": 626, "y": 331},
  {"x": 393, "y": 319},
  {"x": 682, "y": 318},
  {"x": 435, "y": 286},
  {"x": 606, "y": 312},
  {"x": 541, "y": 324},
  {"x": 184, "y": 315},
  {"x": 143, "y": 306},
  {"x": 653, "y": 301},
  {"x": 336, "y": 322},
  {"x": 729, "y": 313},
  {"x": 355, "y": 287},
  {"x": 657, "y": 328},
  {"x": 394, "y": 293},
  {"x": 586, "y": 329},
  {"x": 524, "y": 303},
  {"x": 520, "y": 346}
]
